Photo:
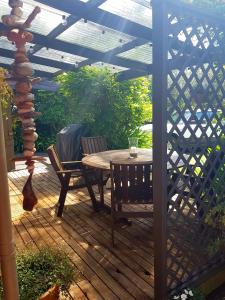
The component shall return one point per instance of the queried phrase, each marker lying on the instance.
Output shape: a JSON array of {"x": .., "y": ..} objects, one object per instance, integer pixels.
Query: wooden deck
[{"x": 103, "y": 272}]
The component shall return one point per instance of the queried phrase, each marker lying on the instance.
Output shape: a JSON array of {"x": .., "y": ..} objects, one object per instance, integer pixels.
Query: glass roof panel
[
  {"x": 45, "y": 68},
  {"x": 9, "y": 61},
  {"x": 41, "y": 23},
  {"x": 59, "y": 56},
  {"x": 94, "y": 36},
  {"x": 130, "y": 9},
  {"x": 141, "y": 53},
  {"x": 113, "y": 68},
  {"x": 5, "y": 44},
  {"x": 6, "y": 60}
]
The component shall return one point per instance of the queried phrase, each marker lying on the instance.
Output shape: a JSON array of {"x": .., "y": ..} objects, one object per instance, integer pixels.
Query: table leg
[{"x": 101, "y": 188}]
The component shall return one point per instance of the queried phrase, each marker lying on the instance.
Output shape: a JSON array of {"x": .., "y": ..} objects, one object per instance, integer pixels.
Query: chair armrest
[
  {"x": 71, "y": 162},
  {"x": 68, "y": 171},
  {"x": 71, "y": 165}
]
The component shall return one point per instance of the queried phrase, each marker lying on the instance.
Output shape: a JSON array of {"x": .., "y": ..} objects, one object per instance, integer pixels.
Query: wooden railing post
[
  {"x": 159, "y": 146},
  {"x": 7, "y": 252}
]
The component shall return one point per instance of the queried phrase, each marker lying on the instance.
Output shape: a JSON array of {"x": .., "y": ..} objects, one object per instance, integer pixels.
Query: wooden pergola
[{"x": 183, "y": 49}]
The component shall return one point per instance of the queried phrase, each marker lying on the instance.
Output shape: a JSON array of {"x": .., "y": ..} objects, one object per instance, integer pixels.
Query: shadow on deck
[{"x": 103, "y": 272}]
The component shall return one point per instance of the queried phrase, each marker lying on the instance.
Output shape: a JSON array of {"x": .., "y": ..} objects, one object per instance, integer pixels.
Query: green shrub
[
  {"x": 93, "y": 96},
  {"x": 108, "y": 107},
  {"x": 38, "y": 270}
]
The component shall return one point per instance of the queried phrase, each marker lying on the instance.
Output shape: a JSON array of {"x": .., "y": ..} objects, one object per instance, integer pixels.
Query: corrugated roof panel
[
  {"x": 131, "y": 10},
  {"x": 59, "y": 56},
  {"x": 94, "y": 36},
  {"x": 113, "y": 68},
  {"x": 141, "y": 53}
]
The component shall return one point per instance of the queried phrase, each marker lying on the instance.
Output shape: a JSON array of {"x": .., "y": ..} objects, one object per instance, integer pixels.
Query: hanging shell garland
[{"x": 22, "y": 73}]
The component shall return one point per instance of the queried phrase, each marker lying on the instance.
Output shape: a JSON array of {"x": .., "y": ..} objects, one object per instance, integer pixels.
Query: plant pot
[{"x": 51, "y": 294}]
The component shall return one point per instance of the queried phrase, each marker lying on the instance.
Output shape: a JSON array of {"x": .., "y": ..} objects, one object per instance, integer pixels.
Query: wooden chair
[
  {"x": 93, "y": 144},
  {"x": 131, "y": 184},
  {"x": 71, "y": 176}
]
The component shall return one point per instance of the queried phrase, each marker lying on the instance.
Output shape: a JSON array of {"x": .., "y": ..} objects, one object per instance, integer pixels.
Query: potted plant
[{"x": 43, "y": 273}]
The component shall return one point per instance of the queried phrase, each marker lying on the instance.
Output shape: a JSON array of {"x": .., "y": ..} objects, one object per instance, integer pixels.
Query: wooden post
[
  {"x": 160, "y": 146},
  {"x": 8, "y": 135},
  {"x": 7, "y": 250}
]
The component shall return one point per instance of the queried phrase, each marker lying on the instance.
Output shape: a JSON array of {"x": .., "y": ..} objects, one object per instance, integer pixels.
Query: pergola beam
[
  {"x": 60, "y": 45},
  {"x": 115, "y": 51},
  {"x": 71, "y": 20},
  {"x": 40, "y": 60},
  {"x": 101, "y": 17},
  {"x": 130, "y": 74},
  {"x": 37, "y": 73}
]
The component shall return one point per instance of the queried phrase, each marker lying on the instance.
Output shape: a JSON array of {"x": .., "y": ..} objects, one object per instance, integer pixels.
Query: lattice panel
[{"x": 195, "y": 127}]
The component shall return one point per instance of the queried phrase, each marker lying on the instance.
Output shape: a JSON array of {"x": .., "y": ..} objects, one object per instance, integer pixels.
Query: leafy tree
[{"x": 94, "y": 97}]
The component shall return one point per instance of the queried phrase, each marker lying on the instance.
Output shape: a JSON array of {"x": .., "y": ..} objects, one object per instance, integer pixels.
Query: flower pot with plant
[{"x": 43, "y": 273}]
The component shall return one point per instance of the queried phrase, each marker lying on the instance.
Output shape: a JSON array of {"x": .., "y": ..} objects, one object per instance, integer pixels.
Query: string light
[
  {"x": 31, "y": 50},
  {"x": 64, "y": 20}
]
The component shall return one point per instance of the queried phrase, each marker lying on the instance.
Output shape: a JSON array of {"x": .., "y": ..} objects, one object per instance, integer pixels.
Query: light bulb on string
[
  {"x": 64, "y": 20},
  {"x": 31, "y": 50}
]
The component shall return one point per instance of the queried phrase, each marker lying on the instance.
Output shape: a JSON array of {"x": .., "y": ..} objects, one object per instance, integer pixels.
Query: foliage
[
  {"x": 38, "y": 270},
  {"x": 5, "y": 90},
  {"x": 186, "y": 294},
  {"x": 215, "y": 217},
  {"x": 54, "y": 116},
  {"x": 108, "y": 107},
  {"x": 93, "y": 96}
]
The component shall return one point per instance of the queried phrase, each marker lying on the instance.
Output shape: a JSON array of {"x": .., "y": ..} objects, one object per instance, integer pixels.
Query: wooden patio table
[{"x": 101, "y": 162}]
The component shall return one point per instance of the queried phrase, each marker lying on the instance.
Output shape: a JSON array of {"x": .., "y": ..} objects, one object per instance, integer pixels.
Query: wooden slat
[{"x": 103, "y": 272}]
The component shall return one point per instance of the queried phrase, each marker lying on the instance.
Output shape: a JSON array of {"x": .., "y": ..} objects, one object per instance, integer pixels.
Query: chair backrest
[
  {"x": 55, "y": 161},
  {"x": 131, "y": 183},
  {"x": 93, "y": 144}
]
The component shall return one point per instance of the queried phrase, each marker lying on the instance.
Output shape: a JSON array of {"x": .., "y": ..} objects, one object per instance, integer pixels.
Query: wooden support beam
[
  {"x": 115, "y": 51},
  {"x": 37, "y": 72},
  {"x": 131, "y": 74},
  {"x": 7, "y": 248},
  {"x": 56, "y": 44},
  {"x": 71, "y": 20},
  {"x": 40, "y": 60}
]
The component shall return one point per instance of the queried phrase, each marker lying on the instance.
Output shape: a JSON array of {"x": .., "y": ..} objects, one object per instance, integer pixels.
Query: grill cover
[{"x": 68, "y": 142}]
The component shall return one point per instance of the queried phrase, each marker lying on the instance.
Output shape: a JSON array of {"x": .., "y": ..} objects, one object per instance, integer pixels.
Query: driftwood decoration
[{"x": 22, "y": 73}]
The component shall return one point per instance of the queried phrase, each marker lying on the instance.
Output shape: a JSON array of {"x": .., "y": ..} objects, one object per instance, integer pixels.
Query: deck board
[{"x": 102, "y": 272}]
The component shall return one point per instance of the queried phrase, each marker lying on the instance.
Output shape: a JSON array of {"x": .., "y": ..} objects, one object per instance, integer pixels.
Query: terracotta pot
[{"x": 51, "y": 294}]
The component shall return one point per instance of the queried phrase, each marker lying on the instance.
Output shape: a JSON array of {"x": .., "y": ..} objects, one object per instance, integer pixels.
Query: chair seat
[{"x": 77, "y": 179}]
